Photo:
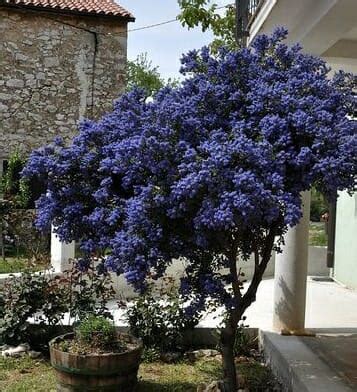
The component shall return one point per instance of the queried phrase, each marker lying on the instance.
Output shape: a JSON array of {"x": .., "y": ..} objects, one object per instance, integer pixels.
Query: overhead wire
[{"x": 169, "y": 21}]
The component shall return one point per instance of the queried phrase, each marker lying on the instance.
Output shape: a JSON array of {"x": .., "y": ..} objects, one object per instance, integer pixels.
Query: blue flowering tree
[{"x": 211, "y": 171}]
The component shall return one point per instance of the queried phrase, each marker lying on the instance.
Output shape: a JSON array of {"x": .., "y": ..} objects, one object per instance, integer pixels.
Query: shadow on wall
[{"x": 282, "y": 308}]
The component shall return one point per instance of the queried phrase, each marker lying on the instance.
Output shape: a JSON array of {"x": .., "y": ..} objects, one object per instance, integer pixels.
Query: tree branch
[
  {"x": 256, "y": 258},
  {"x": 235, "y": 280},
  {"x": 250, "y": 296}
]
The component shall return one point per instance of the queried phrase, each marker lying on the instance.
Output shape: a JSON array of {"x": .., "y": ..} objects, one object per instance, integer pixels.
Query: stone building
[{"x": 60, "y": 61}]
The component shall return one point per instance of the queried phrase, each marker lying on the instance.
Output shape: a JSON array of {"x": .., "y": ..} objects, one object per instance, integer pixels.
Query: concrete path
[{"x": 329, "y": 306}]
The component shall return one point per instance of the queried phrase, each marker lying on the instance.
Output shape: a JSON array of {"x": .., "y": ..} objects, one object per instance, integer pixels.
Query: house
[
  {"x": 60, "y": 60},
  {"x": 326, "y": 28}
]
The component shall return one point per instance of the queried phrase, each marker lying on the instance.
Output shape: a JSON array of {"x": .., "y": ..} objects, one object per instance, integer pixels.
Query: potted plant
[{"x": 96, "y": 358}]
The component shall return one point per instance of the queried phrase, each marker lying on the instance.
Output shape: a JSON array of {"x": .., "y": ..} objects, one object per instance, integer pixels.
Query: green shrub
[
  {"x": 13, "y": 187},
  {"x": 318, "y": 205},
  {"x": 47, "y": 298},
  {"x": 96, "y": 331},
  {"x": 19, "y": 237},
  {"x": 159, "y": 319},
  {"x": 22, "y": 192},
  {"x": 29, "y": 295},
  {"x": 243, "y": 341}
]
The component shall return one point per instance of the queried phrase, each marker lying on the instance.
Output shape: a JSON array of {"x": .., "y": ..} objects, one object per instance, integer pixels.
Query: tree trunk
[
  {"x": 242, "y": 302},
  {"x": 227, "y": 346}
]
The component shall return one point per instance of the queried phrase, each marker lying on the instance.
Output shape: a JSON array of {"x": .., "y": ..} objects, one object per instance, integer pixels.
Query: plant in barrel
[
  {"x": 211, "y": 171},
  {"x": 96, "y": 357}
]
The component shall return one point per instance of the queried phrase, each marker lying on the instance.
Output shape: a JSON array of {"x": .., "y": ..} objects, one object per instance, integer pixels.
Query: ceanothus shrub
[{"x": 208, "y": 171}]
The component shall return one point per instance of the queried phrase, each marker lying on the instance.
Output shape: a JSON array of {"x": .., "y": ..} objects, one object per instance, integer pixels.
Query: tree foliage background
[
  {"x": 141, "y": 73},
  {"x": 210, "y": 16}
]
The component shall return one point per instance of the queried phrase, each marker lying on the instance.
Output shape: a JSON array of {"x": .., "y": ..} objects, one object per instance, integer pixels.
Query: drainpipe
[
  {"x": 242, "y": 10},
  {"x": 331, "y": 234}
]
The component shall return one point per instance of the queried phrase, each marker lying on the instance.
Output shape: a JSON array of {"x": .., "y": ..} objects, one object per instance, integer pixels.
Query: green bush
[
  {"x": 22, "y": 192},
  {"x": 19, "y": 237},
  {"x": 29, "y": 295},
  {"x": 13, "y": 187},
  {"x": 243, "y": 341},
  {"x": 96, "y": 331},
  {"x": 47, "y": 298},
  {"x": 318, "y": 205},
  {"x": 159, "y": 319}
]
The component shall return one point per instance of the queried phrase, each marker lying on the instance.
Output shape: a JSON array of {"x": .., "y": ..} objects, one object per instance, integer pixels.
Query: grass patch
[
  {"x": 25, "y": 374},
  {"x": 180, "y": 377},
  {"x": 13, "y": 264},
  {"x": 317, "y": 234},
  {"x": 257, "y": 377}
]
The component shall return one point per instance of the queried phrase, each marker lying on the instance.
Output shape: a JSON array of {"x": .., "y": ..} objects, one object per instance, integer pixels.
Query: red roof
[{"x": 88, "y": 7}]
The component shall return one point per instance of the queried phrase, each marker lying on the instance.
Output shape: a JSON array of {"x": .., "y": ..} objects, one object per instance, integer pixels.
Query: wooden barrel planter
[{"x": 96, "y": 372}]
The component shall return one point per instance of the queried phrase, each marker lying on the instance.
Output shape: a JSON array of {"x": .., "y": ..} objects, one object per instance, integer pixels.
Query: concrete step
[{"x": 311, "y": 364}]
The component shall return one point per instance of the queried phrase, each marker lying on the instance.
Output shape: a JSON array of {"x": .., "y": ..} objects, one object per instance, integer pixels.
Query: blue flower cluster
[{"x": 204, "y": 170}]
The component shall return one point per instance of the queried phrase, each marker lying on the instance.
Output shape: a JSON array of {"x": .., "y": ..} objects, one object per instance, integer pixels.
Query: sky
[{"x": 164, "y": 44}]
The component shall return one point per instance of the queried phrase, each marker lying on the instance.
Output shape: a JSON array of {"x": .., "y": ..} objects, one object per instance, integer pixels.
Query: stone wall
[{"x": 55, "y": 70}]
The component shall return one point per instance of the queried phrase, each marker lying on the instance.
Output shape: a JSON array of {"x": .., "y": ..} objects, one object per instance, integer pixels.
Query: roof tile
[{"x": 97, "y": 7}]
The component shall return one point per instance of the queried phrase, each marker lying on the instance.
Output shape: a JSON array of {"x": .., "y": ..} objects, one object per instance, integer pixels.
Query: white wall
[
  {"x": 316, "y": 267},
  {"x": 316, "y": 24},
  {"x": 345, "y": 270}
]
